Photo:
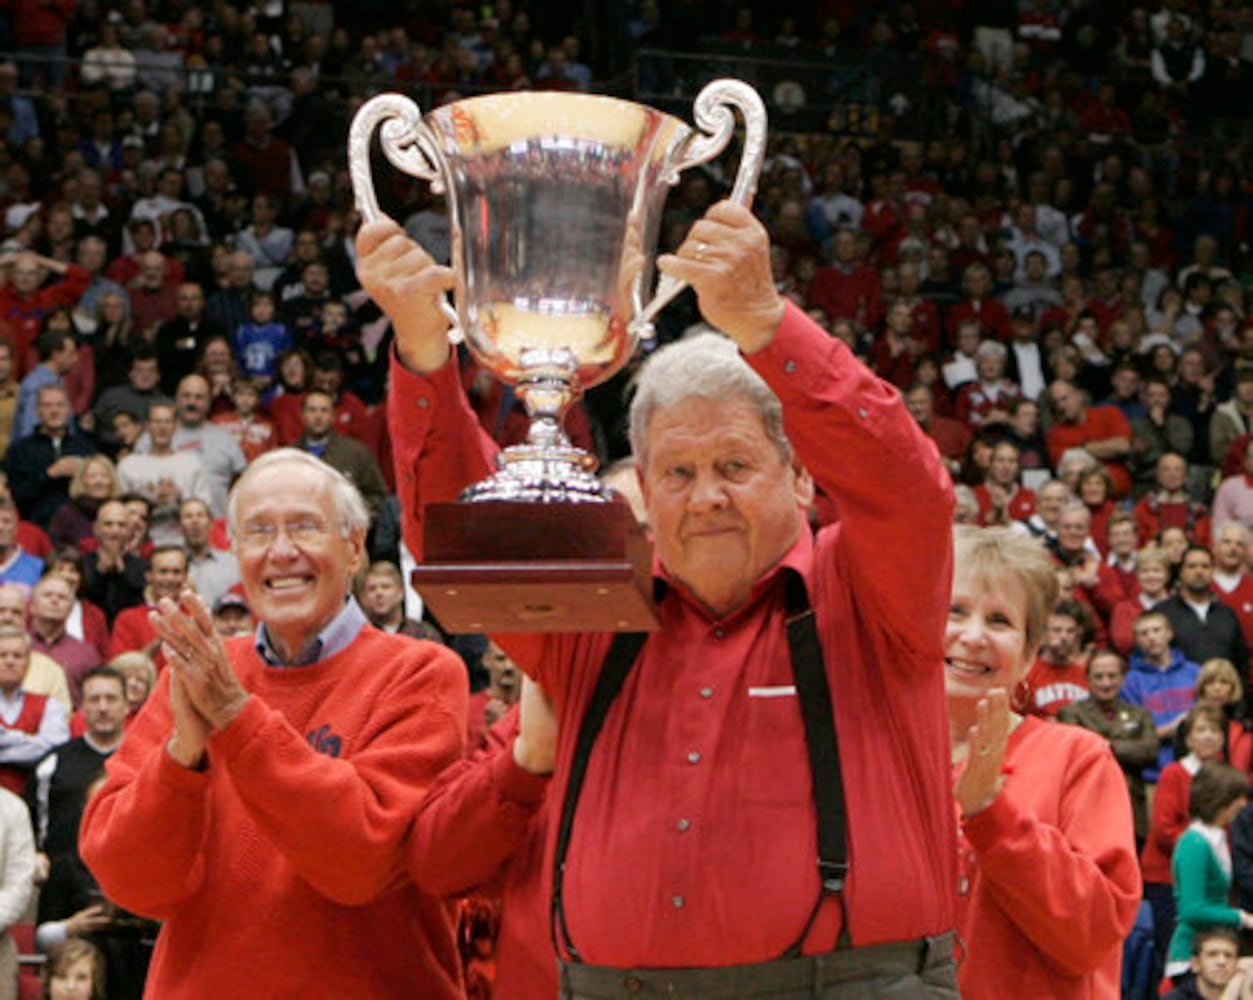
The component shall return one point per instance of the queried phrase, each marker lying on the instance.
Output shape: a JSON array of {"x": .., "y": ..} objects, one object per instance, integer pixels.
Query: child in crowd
[
  {"x": 260, "y": 342},
  {"x": 252, "y": 431}
]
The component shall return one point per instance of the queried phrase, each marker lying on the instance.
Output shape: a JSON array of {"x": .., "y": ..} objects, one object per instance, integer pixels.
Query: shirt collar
[
  {"x": 337, "y": 636},
  {"x": 799, "y": 559}
]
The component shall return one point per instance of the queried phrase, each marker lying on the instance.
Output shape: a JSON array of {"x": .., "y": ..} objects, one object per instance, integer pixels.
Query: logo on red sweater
[{"x": 323, "y": 740}]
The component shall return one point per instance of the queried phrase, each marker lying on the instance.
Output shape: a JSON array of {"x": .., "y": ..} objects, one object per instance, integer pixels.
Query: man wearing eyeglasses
[{"x": 260, "y": 803}]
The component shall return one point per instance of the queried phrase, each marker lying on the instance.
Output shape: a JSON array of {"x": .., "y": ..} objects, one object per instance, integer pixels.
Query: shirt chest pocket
[{"x": 774, "y": 763}]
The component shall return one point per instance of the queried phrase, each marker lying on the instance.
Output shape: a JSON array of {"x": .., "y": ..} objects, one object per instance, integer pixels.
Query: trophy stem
[{"x": 547, "y": 468}]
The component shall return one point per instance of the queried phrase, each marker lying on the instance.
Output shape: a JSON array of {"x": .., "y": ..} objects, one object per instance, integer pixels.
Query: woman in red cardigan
[
  {"x": 1202, "y": 730},
  {"x": 1050, "y": 885}
]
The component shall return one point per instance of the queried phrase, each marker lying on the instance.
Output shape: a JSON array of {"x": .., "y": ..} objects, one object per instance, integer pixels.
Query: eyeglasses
[{"x": 259, "y": 535}]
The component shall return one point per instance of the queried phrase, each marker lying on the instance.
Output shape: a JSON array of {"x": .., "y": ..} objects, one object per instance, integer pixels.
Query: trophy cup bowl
[{"x": 555, "y": 201}]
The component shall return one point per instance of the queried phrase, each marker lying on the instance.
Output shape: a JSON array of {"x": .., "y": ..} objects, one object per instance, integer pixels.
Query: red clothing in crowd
[
  {"x": 1126, "y": 577},
  {"x": 1020, "y": 506},
  {"x": 928, "y": 329},
  {"x": 1170, "y": 818},
  {"x": 25, "y": 312},
  {"x": 1050, "y": 687},
  {"x": 28, "y": 721},
  {"x": 1051, "y": 870},
  {"x": 1098, "y": 423},
  {"x": 133, "y": 631},
  {"x": 847, "y": 293},
  {"x": 992, "y": 316},
  {"x": 1239, "y": 746},
  {"x": 41, "y": 22},
  {"x": 125, "y": 269},
  {"x": 1240, "y": 600},
  {"x": 33, "y": 539},
  {"x": 481, "y": 829},
  {"x": 254, "y": 436},
  {"x": 505, "y": 420},
  {"x": 1153, "y": 514},
  {"x": 1122, "y": 622},
  {"x": 694, "y": 897},
  {"x": 95, "y": 628},
  {"x": 1099, "y": 529},
  {"x": 884, "y": 219},
  {"x": 952, "y": 437},
  {"x": 285, "y": 411},
  {"x": 267, "y": 166},
  {"x": 1108, "y": 592},
  {"x": 352, "y": 418},
  {"x": 895, "y": 368},
  {"x": 974, "y": 402},
  {"x": 278, "y": 869}
]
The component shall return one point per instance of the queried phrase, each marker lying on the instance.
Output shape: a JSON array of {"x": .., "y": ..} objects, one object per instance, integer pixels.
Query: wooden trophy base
[{"x": 513, "y": 566}]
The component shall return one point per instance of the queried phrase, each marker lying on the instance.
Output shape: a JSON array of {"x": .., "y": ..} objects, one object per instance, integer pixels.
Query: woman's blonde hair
[
  {"x": 991, "y": 555},
  {"x": 136, "y": 662},
  {"x": 77, "y": 489},
  {"x": 1219, "y": 669},
  {"x": 1153, "y": 553}
]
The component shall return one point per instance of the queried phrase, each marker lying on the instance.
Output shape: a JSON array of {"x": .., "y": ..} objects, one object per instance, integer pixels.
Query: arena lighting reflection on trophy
[{"x": 555, "y": 201}]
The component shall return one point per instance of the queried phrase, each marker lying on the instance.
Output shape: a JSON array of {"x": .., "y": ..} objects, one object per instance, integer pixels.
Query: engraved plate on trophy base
[{"x": 509, "y": 566}]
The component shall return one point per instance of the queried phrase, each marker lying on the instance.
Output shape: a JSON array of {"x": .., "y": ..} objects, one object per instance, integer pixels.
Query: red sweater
[
  {"x": 1153, "y": 515},
  {"x": 481, "y": 829},
  {"x": 1240, "y": 600},
  {"x": 695, "y": 734},
  {"x": 278, "y": 870},
  {"x": 1170, "y": 818},
  {"x": 1050, "y": 866},
  {"x": 991, "y": 314},
  {"x": 847, "y": 293},
  {"x": 25, "y": 312},
  {"x": 1098, "y": 423},
  {"x": 131, "y": 631},
  {"x": 1020, "y": 507}
]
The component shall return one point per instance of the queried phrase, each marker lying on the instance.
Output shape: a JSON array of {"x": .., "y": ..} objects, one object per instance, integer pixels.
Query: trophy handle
[
  {"x": 712, "y": 111},
  {"x": 407, "y": 143}
]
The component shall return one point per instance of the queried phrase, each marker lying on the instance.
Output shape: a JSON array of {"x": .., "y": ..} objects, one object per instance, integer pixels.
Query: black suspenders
[{"x": 817, "y": 714}]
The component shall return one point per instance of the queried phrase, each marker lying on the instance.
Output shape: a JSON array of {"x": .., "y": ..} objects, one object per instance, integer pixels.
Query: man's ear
[
  {"x": 357, "y": 561},
  {"x": 803, "y": 485}
]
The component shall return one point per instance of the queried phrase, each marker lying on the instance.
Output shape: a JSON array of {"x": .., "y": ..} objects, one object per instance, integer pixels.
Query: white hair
[
  {"x": 350, "y": 508},
  {"x": 709, "y": 366}
]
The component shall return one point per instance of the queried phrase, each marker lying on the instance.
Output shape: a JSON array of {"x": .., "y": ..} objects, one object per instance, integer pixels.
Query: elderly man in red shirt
[
  {"x": 1102, "y": 431},
  {"x": 703, "y": 779}
]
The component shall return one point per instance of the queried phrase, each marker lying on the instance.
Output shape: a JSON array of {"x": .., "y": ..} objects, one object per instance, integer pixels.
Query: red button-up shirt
[{"x": 694, "y": 841}]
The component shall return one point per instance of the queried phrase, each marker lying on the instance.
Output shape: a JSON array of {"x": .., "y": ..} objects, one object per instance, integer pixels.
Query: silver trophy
[{"x": 555, "y": 201}]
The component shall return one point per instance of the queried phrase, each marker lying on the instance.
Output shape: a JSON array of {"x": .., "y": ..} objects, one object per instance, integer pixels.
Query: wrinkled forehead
[{"x": 284, "y": 490}]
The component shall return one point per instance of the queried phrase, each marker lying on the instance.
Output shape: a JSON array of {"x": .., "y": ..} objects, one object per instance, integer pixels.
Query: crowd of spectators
[{"x": 1046, "y": 249}]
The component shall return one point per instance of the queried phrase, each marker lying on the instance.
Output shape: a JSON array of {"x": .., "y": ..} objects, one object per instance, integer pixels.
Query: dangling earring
[{"x": 1021, "y": 698}]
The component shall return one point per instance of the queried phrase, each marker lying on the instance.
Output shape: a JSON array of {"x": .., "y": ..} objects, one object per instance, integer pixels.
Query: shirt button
[
  {"x": 719, "y": 633},
  {"x": 676, "y": 902},
  {"x": 424, "y": 402},
  {"x": 706, "y": 692},
  {"x": 863, "y": 412},
  {"x": 694, "y": 757},
  {"x": 789, "y": 366},
  {"x": 683, "y": 825}
]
